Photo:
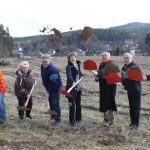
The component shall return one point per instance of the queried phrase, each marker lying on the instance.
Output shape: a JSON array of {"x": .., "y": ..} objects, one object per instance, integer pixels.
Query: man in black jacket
[{"x": 134, "y": 89}]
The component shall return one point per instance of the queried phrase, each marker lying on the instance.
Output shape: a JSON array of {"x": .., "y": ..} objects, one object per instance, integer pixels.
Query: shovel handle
[
  {"x": 69, "y": 90},
  {"x": 30, "y": 93}
]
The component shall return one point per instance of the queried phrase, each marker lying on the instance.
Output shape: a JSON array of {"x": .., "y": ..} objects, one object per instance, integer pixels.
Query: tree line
[
  {"x": 71, "y": 40},
  {"x": 6, "y": 41}
]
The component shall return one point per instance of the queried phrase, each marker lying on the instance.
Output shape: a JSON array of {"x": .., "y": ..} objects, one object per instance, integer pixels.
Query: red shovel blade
[
  {"x": 135, "y": 74},
  {"x": 112, "y": 78},
  {"x": 64, "y": 92},
  {"x": 89, "y": 65}
]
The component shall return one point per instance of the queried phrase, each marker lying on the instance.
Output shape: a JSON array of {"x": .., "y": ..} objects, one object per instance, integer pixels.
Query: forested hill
[
  {"x": 71, "y": 40},
  {"x": 133, "y": 26}
]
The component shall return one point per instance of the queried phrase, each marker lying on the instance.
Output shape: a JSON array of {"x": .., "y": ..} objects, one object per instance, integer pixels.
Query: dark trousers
[
  {"x": 75, "y": 109},
  {"x": 21, "y": 102},
  {"x": 107, "y": 98},
  {"x": 55, "y": 106},
  {"x": 135, "y": 105}
]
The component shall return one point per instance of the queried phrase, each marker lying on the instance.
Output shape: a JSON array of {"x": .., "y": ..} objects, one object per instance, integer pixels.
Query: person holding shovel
[
  {"x": 23, "y": 85},
  {"x": 52, "y": 82},
  {"x": 133, "y": 88},
  {"x": 74, "y": 74},
  {"x": 107, "y": 91}
]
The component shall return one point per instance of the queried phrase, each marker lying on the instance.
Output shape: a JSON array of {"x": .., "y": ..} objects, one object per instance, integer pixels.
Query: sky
[{"x": 27, "y": 17}]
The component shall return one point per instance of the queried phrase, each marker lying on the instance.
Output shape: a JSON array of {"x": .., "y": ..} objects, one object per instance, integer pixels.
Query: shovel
[
  {"x": 89, "y": 65},
  {"x": 67, "y": 93},
  {"x": 24, "y": 108},
  {"x": 49, "y": 111}
]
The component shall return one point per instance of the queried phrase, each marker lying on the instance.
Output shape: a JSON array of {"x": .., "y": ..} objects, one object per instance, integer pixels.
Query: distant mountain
[{"x": 133, "y": 26}]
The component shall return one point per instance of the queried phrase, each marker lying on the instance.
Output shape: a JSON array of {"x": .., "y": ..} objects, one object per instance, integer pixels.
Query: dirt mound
[{"x": 111, "y": 139}]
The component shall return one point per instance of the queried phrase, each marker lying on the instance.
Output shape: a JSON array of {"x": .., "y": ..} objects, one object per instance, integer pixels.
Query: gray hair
[
  {"x": 46, "y": 56},
  {"x": 107, "y": 54},
  {"x": 129, "y": 55},
  {"x": 24, "y": 64}
]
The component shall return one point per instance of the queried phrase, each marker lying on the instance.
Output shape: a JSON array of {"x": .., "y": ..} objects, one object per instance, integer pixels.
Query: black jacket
[
  {"x": 130, "y": 85},
  {"x": 102, "y": 81}
]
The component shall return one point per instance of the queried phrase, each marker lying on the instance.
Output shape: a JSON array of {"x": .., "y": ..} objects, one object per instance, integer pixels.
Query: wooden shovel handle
[{"x": 30, "y": 93}]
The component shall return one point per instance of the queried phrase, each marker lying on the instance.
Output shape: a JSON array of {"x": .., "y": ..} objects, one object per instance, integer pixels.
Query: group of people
[
  {"x": 108, "y": 91},
  {"x": 52, "y": 83}
]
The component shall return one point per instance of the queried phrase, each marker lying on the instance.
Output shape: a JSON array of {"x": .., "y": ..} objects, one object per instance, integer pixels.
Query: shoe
[
  {"x": 111, "y": 124},
  {"x": 134, "y": 126},
  {"x": 78, "y": 123},
  {"x": 29, "y": 116},
  {"x": 52, "y": 117},
  {"x": 72, "y": 125},
  {"x": 56, "y": 124},
  {"x": 21, "y": 117},
  {"x": 105, "y": 120},
  {"x": 131, "y": 124}
]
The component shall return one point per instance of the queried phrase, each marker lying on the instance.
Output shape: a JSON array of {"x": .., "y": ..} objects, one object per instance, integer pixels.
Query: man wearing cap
[{"x": 52, "y": 83}]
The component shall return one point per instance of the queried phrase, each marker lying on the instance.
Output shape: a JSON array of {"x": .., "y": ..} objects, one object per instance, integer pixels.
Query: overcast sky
[{"x": 27, "y": 17}]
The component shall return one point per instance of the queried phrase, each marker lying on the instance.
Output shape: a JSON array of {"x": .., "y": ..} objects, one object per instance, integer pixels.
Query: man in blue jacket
[{"x": 52, "y": 83}]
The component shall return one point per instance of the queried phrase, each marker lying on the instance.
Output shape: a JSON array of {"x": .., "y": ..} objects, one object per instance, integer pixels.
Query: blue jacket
[{"x": 51, "y": 79}]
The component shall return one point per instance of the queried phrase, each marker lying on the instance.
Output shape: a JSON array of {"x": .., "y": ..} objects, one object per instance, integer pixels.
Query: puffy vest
[{"x": 2, "y": 83}]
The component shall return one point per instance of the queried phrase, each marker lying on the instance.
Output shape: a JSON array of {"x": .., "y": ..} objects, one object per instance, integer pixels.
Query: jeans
[
  {"x": 2, "y": 109},
  {"x": 55, "y": 106}
]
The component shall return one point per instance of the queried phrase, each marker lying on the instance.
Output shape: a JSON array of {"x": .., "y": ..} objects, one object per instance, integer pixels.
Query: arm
[
  {"x": 147, "y": 77},
  {"x": 69, "y": 75}
]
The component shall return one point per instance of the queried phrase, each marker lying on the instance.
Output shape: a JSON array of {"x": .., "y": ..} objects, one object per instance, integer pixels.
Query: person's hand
[
  {"x": 28, "y": 96},
  {"x": 73, "y": 84},
  {"x": 144, "y": 77},
  {"x": 81, "y": 77},
  {"x": 95, "y": 73},
  {"x": 96, "y": 78},
  {"x": 118, "y": 83}
]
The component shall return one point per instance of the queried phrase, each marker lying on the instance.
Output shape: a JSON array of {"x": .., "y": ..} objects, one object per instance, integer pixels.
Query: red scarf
[{"x": 103, "y": 63}]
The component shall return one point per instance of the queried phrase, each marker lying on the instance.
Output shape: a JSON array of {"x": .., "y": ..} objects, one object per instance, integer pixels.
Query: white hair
[
  {"x": 128, "y": 55},
  {"x": 107, "y": 54},
  {"x": 24, "y": 64}
]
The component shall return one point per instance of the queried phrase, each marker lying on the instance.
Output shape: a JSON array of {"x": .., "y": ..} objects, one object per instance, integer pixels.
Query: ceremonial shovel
[
  {"x": 24, "y": 108},
  {"x": 67, "y": 93}
]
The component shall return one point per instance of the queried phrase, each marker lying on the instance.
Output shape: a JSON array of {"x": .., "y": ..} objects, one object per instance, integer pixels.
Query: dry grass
[{"x": 92, "y": 134}]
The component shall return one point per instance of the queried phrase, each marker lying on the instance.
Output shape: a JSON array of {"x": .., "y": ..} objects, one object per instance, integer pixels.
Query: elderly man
[
  {"x": 52, "y": 83},
  {"x": 133, "y": 88}
]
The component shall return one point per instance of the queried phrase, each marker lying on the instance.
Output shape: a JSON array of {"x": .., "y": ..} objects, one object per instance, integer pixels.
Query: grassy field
[{"x": 92, "y": 134}]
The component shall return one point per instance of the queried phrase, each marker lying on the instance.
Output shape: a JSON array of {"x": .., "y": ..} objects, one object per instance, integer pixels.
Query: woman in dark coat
[
  {"x": 73, "y": 72},
  {"x": 133, "y": 89},
  {"x": 107, "y": 91},
  {"x": 23, "y": 85}
]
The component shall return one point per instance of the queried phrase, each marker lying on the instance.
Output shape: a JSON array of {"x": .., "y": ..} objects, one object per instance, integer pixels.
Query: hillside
[
  {"x": 91, "y": 134},
  {"x": 133, "y": 26},
  {"x": 71, "y": 40}
]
